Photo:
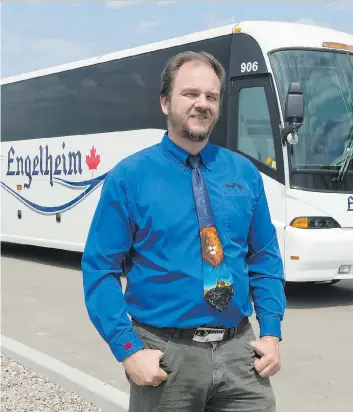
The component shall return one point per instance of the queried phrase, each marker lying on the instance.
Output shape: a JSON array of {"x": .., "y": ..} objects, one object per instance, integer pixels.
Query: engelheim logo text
[{"x": 44, "y": 164}]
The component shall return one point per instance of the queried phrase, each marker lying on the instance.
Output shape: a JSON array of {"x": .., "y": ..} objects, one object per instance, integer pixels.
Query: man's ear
[{"x": 164, "y": 104}]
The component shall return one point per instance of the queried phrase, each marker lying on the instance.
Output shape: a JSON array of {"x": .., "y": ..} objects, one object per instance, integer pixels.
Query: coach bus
[{"x": 288, "y": 108}]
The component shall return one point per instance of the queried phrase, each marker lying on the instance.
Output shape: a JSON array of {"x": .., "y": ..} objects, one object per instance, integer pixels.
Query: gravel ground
[{"x": 22, "y": 390}]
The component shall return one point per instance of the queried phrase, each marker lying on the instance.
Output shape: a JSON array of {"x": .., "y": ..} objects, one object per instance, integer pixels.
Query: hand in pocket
[{"x": 143, "y": 367}]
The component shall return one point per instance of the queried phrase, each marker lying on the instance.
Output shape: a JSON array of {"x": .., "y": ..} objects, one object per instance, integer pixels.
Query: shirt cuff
[
  {"x": 270, "y": 326},
  {"x": 129, "y": 344}
]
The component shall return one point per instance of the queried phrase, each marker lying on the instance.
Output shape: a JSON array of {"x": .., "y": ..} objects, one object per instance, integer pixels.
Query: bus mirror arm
[{"x": 289, "y": 133}]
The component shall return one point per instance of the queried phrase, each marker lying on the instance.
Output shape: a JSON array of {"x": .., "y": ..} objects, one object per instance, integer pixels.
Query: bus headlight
[
  {"x": 314, "y": 223},
  {"x": 345, "y": 269}
]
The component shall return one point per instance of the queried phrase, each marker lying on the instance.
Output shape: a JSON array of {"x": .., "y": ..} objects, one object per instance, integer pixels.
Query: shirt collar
[{"x": 180, "y": 155}]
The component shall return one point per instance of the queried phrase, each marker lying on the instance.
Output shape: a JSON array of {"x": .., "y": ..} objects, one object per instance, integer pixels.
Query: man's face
[{"x": 194, "y": 105}]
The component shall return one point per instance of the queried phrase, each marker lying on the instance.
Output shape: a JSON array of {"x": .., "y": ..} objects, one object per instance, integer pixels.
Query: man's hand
[
  {"x": 268, "y": 349},
  {"x": 143, "y": 367}
]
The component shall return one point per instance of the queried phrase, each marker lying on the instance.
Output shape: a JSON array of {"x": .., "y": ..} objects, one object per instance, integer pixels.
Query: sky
[{"x": 38, "y": 34}]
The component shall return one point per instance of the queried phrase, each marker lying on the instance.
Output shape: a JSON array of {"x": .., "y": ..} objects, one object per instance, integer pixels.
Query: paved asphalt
[{"x": 42, "y": 307}]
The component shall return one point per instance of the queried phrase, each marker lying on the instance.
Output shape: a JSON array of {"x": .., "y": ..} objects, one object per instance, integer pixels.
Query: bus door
[{"x": 253, "y": 131}]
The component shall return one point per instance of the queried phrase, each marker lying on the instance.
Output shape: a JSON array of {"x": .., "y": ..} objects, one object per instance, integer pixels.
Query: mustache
[{"x": 202, "y": 114}]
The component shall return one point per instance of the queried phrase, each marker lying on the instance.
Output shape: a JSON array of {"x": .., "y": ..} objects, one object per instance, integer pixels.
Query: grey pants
[{"x": 203, "y": 377}]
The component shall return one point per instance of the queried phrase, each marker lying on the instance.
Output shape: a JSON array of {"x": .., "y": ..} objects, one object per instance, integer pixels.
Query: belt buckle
[{"x": 208, "y": 335}]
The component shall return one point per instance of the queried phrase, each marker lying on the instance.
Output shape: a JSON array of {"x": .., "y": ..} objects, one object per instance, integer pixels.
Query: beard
[
  {"x": 195, "y": 136},
  {"x": 180, "y": 124}
]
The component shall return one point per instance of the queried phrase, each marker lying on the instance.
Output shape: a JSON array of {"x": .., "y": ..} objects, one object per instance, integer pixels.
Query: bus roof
[{"x": 265, "y": 32}]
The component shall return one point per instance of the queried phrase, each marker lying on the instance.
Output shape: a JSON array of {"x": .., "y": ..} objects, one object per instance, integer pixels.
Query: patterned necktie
[{"x": 218, "y": 283}]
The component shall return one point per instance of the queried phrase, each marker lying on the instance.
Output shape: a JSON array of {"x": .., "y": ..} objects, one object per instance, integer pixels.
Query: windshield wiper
[{"x": 344, "y": 167}]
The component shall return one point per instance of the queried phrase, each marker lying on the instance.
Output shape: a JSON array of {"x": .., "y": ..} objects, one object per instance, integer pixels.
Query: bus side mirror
[{"x": 293, "y": 113}]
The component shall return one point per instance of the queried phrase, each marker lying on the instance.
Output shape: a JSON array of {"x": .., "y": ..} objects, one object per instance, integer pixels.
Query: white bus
[{"x": 288, "y": 108}]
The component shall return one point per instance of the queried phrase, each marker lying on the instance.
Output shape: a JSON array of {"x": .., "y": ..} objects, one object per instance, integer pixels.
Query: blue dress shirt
[{"x": 146, "y": 222}]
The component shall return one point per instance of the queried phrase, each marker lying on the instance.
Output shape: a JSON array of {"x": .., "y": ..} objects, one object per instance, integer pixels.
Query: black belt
[{"x": 228, "y": 333}]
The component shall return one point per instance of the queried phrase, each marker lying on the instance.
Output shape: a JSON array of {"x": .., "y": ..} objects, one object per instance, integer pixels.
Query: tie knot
[{"x": 194, "y": 161}]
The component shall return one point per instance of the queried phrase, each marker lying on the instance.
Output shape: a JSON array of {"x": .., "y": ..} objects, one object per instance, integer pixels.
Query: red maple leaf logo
[{"x": 93, "y": 160}]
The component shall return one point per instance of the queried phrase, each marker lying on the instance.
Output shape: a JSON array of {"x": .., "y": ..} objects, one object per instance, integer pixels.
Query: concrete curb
[{"x": 104, "y": 396}]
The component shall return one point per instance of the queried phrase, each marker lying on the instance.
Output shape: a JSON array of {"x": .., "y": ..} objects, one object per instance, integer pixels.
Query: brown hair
[{"x": 175, "y": 63}]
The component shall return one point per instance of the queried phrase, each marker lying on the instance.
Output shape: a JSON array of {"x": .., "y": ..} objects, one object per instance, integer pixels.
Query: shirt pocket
[{"x": 239, "y": 210}]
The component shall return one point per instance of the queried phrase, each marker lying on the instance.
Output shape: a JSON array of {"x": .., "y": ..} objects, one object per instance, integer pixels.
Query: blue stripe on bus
[{"x": 89, "y": 184}]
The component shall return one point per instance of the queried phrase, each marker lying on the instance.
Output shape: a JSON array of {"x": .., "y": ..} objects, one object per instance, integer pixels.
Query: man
[{"x": 191, "y": 223}]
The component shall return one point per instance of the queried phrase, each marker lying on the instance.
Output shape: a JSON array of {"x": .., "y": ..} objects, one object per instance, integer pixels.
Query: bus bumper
[{"x": 314, "y": 255}]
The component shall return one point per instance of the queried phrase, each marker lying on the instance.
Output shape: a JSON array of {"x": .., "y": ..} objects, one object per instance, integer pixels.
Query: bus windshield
[{"x": 327, "y": 83}]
